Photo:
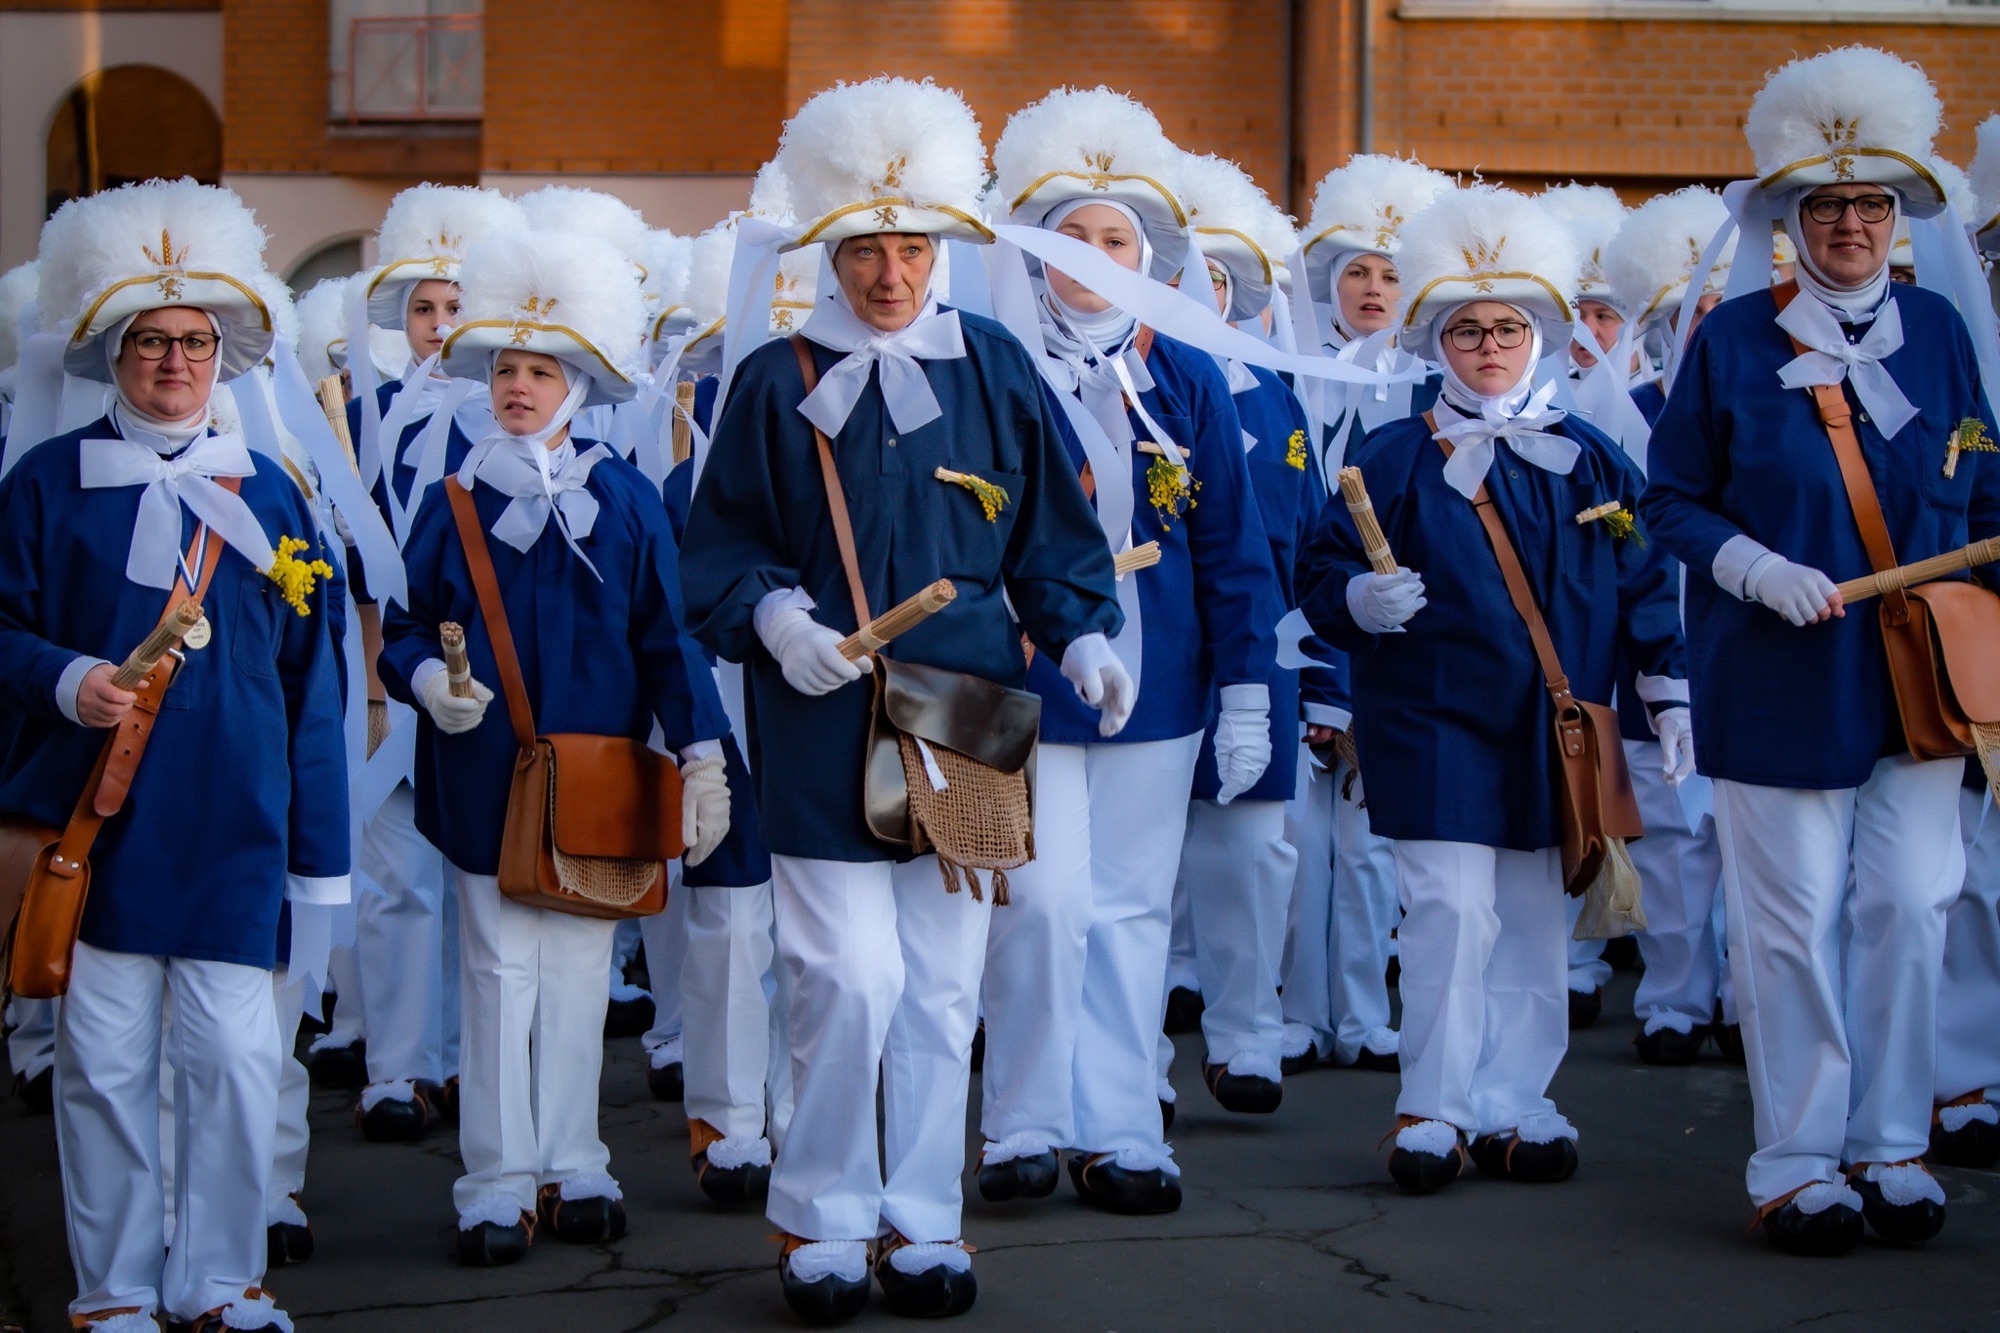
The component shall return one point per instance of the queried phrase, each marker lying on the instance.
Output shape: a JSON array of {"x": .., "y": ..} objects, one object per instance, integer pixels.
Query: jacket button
[
  {"x": 1864, "y": 418},
  {"x": 892, "y": 442}
]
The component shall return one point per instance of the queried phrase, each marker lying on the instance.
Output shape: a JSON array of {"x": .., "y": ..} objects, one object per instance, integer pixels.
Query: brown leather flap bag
[
  {"x": 975, "y": 717},
  {"x": 591, "y": 820}
]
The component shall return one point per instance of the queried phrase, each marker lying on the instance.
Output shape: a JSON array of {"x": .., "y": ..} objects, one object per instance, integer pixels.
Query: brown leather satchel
[
  {"x": 591, "y": 820},
  {"x": 949, "y": 765},
  {"x": 45, "y": 872},
  {"x": 1942, "y": 639},
  {"x": 1598, "y": 809}
]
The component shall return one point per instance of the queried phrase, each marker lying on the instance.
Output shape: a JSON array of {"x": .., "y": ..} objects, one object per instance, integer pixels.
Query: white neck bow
[
  {"x": 1830, "y": 358},
  {"x": 542, "y": 482},
  {"x": 185, "y": 479},
  {"x": 1524, "y": 430},
  {"x": 931, "y": 336}
]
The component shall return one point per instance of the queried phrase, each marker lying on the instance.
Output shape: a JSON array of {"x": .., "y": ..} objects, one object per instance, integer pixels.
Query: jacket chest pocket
[
  {"x": 255, "y": 631},
  {"x": 980, "y": 505}
]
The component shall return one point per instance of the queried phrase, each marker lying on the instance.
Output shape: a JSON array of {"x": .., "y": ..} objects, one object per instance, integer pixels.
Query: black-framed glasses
[
  {"x": 1507, "y": 335},
  {"x": 1827, "y": 209},
  {"x": 152, "y": 345}
]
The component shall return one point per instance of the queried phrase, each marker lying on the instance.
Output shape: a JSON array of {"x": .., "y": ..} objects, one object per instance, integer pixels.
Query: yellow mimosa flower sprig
[
  {"x": 1968, "y": 437},
  {"x": 1170, "y": 489},
  {"x": 992, "y": 499},
  {"x": 1295, "y": 450},
  {"x": 296, "y": 578},
  {"x": 1615, "y": 517}
]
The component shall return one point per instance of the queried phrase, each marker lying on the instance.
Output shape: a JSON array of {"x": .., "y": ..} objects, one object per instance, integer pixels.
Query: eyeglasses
[
  {"x": 1827, "y": 209},
  {"x": 152, "y": 345},
  {"x": 1507, "y": 335}
]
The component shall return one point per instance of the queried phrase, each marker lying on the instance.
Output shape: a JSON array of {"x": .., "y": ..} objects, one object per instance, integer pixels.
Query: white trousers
[
  {"x": 880, "y": 973},
  {"x": 532, "y": 1005},
  {"x": 292, "y": 1139},
  {"x": 734, "y": 1040},
  {"x": 223, "y": 1046},
  {"x": 1842, "y": 1050},
  {"x": 31, "y": 1035},
  {"x": 1680, "y": 874},
  {"x": 1969, "y": 1000},
  {"x": 1485, "y": 1020},
  {"x": 405, "y": 948},
  {"x": 1076, "y": 967},
  {"x": 343, "y": 976},
  {"x": 666, "y": 939},
  {"x": 1587, "y": 969},
  {"x": 1343, "y": 915},
  {"x": 1236, "y": 871}
]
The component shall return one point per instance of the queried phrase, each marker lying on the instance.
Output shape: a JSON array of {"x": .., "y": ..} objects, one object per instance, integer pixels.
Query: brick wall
[
  {"x": 274, "y": 79},
  {"x": 108, "y": 6}
]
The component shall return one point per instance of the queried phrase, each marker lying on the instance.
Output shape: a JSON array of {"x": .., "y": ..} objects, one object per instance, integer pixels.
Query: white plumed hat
[
  {"x": 1095, "y": 144},
  {"x": 1852, "y": 114},
  {"x": 1485, "y": 243},
  {"x": 1593, "y": 214},
  {"x": 18, "y": 286},
  {"x": 118, "y": 253},
  {"x": 1362, "y": 206},
  {"x": 709, "y": 259},
  {"x": 1240, "y": 228},
  {"x": 1957, "y": 188},
  {"x": 1984, "y": 219},
  {"x": 1655, "y": 254},
  {"x": 322, "y": 345},
  {"x": 664, "y": 291},
  {"x": 887, "y": 155},
  {"x": 562, "y": 294},
  {"x": 580, "y": 212},
  {"x": 425, "y": 235}
]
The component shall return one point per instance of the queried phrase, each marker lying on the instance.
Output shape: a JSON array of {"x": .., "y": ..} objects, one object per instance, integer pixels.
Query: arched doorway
[
  {"x": 333, "y": 259},
  {"x": 130, "y": 123}
]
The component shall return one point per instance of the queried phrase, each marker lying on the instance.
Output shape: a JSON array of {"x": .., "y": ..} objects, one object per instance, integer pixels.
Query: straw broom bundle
[
  {"x": 1139, "y": 557},
  {"x": 906, "y": 615},
  {"x": 1355, "y": 491},
  {"x": 1922, "y": 571},
  {"x": 166, "y": 637},
  {"x": 457, "y": 666},
  {"x": 683, "y": 421},
  {"x": 333, "y": 402}
]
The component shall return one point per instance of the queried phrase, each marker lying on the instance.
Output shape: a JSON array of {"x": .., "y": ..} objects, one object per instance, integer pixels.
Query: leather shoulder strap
[
  {"x": 1837, "y": 417},
  {"x": 1518, "y": 590},
  {"x": 836, "y": 496},
  {"x": 480, "y": 560}
]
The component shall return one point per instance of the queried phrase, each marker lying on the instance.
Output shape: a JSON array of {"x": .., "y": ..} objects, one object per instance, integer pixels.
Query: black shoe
[
  {"x": 1584, "y": 1007},
  {"x": 1424, "y": 1172},
  {"x": 1623, "y": 954},
  {"x": 1289, "y": 1065},
  {"x": 724, "y": 1184},
  {"x": 1666, "y": 1046},
  {"x": 827, "y": 1300},
  {"x": 1166, "y": 1117},
  {"x": 1507, "y": 1156},
  {"x": 979, "y": 1048},
  {"x": 38, "y": 1094},
  {"x": 339, "y": 1066},
  {"x": 1020, "y": 1177},
  {"x": 287, "y": 1243},
  {"x": 392, "y": 1121},
  {"x": 1825, "y": 1234},
  {"x": 579, "y": 1221},
  {"x": 1101, "y": 1182},
  {"x": 1897, "y": 1223},
  {"x": 935, "y": 1293},
  {"x": 1393, "y": 972},
  {"x": 1376, "y": 1061},
  {"x": 1974, "y": 1144},
  {"x": 1244, "y": 1094},
  {"x": 490, "y": 1245},
  {"x": 445, "y": 1103},
  {"x": 1728, "y": 1042},
  {"x": 666, "y": 1082},
  {"x": 628, "y": 1018},
  {"x": 1184, "y": 1009}
]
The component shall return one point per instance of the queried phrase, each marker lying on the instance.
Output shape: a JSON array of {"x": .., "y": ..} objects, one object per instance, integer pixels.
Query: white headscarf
[
  {"x": 541, "y": 481},
  {"x": 1815, "y": 317},
  {"x": 1471, "y": 422}
]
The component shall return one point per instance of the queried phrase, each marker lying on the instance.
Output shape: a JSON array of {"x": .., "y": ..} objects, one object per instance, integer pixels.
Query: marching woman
[
  {"x": 406, "y": 961},
  {"x": 1236, "y": 867},
  {"x": 1076, "y": 967},
  {"x": 890, "y": 443},
  {"x": 585, "y": 569},
  {"x": 155, "y": 288},
  {"x": 1453, "y": 714},
  {"x": 1840, "y": 848}
]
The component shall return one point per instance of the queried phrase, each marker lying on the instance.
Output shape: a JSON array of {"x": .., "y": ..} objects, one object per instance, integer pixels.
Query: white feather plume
[
  {"x": 323, "y": 321},
  {"x": 1485, "y": 242},
  {"x": 882, "y": 139},
  {"x": 771, "y": 192},
  {"x": 1084, "y": 131},
  {"x": 1986, "y": 173},
  {"x": 284, "y": 314},
  {"x": 708, "y": 273},
  {"x": 1371, "y": 196},
  {"x": 18, "y": 286},
  {"x": 579, "y": 212},
  {"x": 1593, "y": 214},
  {"x": 1853, "y": 97},
  {"x": 1219, "y": 193},
  {"x": 665, "y": 256},
  {"x": 1957, "y": 188},
  {"x": 442, "y": 221},
  {"x": 1654, "y": 255},
  {"x": 577, "y": 282}
]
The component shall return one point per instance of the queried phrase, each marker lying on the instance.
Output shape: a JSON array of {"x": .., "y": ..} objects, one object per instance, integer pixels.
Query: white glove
[
  {"x": 1799, "y": 593},
  {"x": 452, "y": 714},
  {"x": 1101, "y": 681},
  {"x": 1676, "y": 744},
  {"x": 1242, "y": 739},
  {"x": 1381, "y": 603},
  {"x": 807, "y": 651},
  {"x": 704, "y": 807}
]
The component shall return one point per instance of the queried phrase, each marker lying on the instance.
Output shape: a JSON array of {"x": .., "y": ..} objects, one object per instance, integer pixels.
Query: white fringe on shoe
[
  {"x": 284, "y": 1209},
  {"x": 1025, "y": 1144},
  {"x": 399, "y": 1090},
  {"x": 1434, "y": 1137},
  {"x": 502, "y": 1210},
  {"x": 260, "y": 1313},
  {"x": 1148, "y": 1159},
  {"x": 1166, "y": 1092},
  {"x": 624, "y": 992},
  {"x": 1382, "y": 1041},
  {"x": 1668, "y": 1018},
  {"x": 1951, "y": 1119},
  {"x": 1255, "y": 1064},
  {"x": 1298, "y": 1040},
  {"x": 1904, "y": 1184},
  {"x": 844, "y": 1259},
  {"x": 922, "y": 1256},
  {"x": 666, "y": 1053},
  {"x": 728, "y": 1154},
  {"x": 1545, "y": 1127},
  {"x": 1816, "y": 1199},
  {"x": 130, "y": 1322},
  {"x": 595, "y": 1185}
]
